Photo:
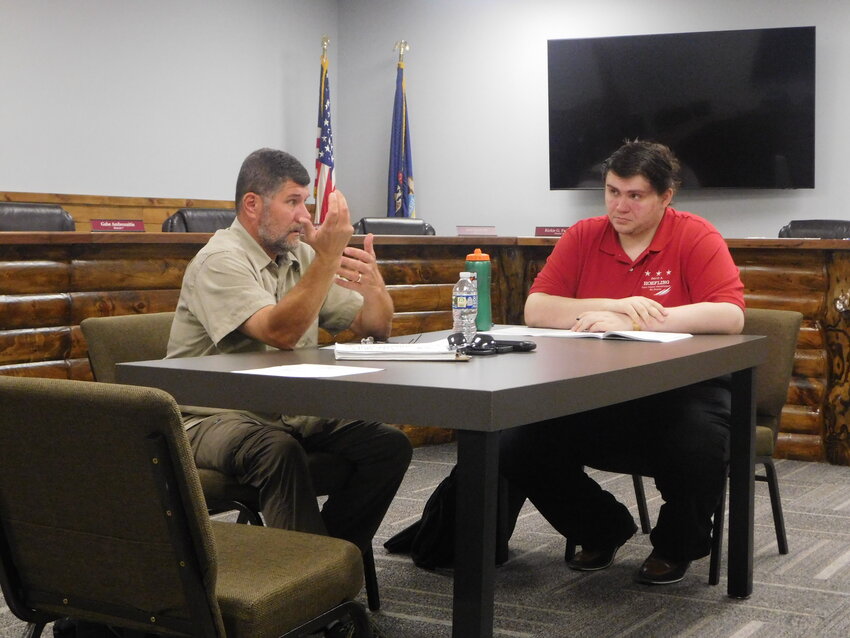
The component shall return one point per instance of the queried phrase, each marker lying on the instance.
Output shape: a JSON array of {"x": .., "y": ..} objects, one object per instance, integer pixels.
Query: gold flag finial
[
  {"x": 325, "y": 42},
  {"x": 403, "y": 47}
]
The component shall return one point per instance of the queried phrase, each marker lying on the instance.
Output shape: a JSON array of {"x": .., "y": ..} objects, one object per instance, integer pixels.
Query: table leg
[
  {"x": 741, "y": 485},
  {"x": 475, "y": 534}
]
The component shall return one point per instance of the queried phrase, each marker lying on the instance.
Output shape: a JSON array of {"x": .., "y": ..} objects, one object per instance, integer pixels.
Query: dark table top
[{"x": 562, "y": 376}]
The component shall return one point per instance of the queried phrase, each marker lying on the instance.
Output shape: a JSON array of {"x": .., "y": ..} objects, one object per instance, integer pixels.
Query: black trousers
[
  {"x": 680, "y": 438},
  {"x": 275, "y": 462}
]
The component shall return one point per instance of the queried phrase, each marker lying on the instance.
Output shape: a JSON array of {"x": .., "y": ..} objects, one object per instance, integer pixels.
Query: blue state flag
[{"x": 400, "y": 200}]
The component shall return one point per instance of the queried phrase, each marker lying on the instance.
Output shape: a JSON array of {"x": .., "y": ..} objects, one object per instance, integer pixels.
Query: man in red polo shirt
[{"x": 643, "y": 266}]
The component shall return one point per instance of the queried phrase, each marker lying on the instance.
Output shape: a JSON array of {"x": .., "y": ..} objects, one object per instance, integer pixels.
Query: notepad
[
  {"x": 626, "y": 335},
  {"x": 434, "y": 351}
]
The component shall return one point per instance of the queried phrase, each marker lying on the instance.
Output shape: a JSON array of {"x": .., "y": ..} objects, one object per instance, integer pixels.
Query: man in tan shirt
[{"x": 258, "y": 285}]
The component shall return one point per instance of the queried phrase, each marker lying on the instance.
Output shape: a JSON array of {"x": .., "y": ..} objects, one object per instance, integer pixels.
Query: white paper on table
[
  {"x": 309, "y": 370},
  {"x": 628, "y": 335}
]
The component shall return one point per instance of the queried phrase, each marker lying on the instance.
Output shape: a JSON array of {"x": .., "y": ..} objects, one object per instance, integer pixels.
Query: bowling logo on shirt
[{"x": 656, "y": 283}]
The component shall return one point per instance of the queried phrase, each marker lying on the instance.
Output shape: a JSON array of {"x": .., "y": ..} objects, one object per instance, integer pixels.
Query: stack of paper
[{"x": 435, "y": 351}]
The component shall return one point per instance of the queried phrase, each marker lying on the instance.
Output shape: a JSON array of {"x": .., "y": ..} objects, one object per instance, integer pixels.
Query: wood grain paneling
[
  {"x": 50, "y": 282},
  {"x": 24, "y": 276},
  {"x": 35, "y": 311}
]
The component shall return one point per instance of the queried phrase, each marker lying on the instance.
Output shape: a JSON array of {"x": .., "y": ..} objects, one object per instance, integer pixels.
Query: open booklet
[
  {"x": 434, "y": 351},
  {"x": 628, "y": 335}
]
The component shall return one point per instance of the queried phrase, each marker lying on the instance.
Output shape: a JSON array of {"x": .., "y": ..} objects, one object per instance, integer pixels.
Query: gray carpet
[{"x": 805, "y": 593}]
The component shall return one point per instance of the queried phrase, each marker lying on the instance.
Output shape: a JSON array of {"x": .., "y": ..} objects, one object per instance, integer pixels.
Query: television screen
[{"x": 737, "y": 107}]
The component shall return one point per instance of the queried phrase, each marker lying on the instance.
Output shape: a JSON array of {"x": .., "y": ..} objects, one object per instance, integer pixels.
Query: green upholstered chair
[
  {"x": 103, "y": 519},
  {"x": 781, "y": 327},
  {"x": 125, "y": 338}
]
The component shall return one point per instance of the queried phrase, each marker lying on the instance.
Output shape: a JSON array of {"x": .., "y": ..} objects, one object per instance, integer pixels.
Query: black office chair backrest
[
  {"x": 34, "y": 217},
  {"x": 393, "y": 226},
  {"x": 199, "y": 220},
  {"x": 816, "y": 229}
]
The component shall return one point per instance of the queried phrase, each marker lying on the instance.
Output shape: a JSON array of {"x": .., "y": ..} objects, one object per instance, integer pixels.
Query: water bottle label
[{"x": 464, "y": 301}]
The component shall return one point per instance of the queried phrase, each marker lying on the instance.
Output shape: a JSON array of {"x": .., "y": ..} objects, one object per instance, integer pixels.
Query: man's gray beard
[{"x": 280, "y": 246}]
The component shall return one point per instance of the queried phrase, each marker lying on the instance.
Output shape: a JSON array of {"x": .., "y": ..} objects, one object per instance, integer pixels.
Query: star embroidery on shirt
[
  {"x": 658, "y": 273},
  {"x": 669, "y": 272},
  {"x": 647, "y": 273}
]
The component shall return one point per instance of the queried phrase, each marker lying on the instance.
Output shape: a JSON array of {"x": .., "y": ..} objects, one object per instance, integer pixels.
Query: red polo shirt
[{"x": 686, "y": 262}]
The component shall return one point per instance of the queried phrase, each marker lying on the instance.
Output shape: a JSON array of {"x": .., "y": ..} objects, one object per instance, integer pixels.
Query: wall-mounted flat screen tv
[{"x": 737, "y": 107}]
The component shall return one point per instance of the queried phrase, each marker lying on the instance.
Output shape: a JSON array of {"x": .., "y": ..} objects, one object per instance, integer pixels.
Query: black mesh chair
[
  {"x": 816, "y": 229},
  {"x": 393, "y": 226},
  {"x": 198, "y": 220},
  {"x": 34, "y": 217}
]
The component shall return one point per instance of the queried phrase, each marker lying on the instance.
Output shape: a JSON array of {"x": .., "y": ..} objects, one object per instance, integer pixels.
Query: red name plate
[
  {"x": 117, "y": 225},
  {"x": 549, "y": 231}
]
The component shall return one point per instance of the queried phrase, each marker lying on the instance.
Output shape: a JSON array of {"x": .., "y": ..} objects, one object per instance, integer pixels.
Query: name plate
[
  {"x": 549, "y": 231},
  {"x": 117, "y": 226},
  {"x": 476, "y": 231}
]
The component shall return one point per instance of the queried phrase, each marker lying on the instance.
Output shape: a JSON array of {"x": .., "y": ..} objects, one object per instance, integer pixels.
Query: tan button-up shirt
[{"x": 229, "y": 280}]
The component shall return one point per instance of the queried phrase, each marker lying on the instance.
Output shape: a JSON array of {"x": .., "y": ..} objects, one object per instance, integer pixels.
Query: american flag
[
  {"x": 325, "y": 179},
  {"x": 400, "y": 202}
]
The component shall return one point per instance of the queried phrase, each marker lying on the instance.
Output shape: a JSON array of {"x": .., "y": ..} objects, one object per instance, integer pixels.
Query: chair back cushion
[
  {"x": 199, "y": 220},
  {"x": 34, "y": 217},
  {"x": 113, "y": 340},
  {"x": 816, "y": 228},
  {"x": 393, "y": 226},
  {"x": 100, "y": 506},
  {"x": 781, "y": 327}
]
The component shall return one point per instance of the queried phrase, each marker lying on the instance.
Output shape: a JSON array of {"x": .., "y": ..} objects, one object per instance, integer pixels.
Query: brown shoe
[
  {"x": 592, "y": 560},
  {"x": 657, "y": 570}
]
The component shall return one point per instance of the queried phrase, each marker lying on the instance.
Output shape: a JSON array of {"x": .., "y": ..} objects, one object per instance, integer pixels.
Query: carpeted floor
[{"x": 805, "y": 593}]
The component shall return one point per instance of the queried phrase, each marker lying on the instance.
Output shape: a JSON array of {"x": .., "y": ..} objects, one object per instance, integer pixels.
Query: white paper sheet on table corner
[{"x": 309, "y": 370}]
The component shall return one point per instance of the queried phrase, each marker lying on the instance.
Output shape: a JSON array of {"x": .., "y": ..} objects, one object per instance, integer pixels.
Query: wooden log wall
[{"x": 49, "y": 282}]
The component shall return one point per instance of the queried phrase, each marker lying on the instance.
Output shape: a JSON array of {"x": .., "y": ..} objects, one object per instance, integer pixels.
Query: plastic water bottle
[{"x": 465, "y": 306}]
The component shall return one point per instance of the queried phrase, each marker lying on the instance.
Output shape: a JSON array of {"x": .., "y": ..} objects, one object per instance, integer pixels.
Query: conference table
[{"x": 478, "y": 398}]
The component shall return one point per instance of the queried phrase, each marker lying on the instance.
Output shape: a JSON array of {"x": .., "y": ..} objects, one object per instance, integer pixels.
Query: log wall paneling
[
  {"x": 837, "y": 328},
  {"x": 50, "y": 282}
]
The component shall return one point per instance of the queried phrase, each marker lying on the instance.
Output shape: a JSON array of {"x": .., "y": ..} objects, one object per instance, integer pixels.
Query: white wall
[
  {"x": 154, "y": 98},
  {"x": 477, "y": 96},
  {"x": 160, "y": 98}
]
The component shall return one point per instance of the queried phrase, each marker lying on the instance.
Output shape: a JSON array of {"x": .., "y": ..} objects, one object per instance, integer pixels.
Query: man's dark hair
[
  {"x": 264, "y": 171},
  {"x": 651, "y": 160}
]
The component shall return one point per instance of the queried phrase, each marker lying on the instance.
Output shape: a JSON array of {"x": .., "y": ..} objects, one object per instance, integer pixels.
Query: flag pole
[
  {"x": 325, "y": 178},
  {"x": 402, "y": 47},
  {"x": 400, "y": 198}
]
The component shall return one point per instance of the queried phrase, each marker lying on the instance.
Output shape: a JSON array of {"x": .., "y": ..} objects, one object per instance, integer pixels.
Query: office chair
[
  {"x": 198, "y": 220},
  {"x": 781, "y": 327},
  {"x": 124, "y": 338},
  {"x": 103, "y": 520},
  {"x": 34, "y": 217},
  {"x": 816, "y": 229},
  {"x": 393, "y": 226}
]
